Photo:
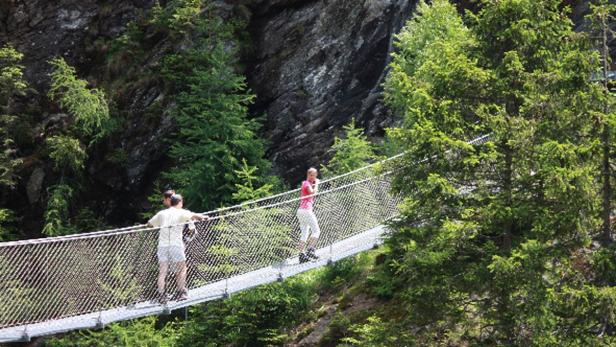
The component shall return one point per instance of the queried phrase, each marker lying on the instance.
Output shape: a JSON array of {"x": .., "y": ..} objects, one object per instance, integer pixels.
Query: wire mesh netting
[{"x": 48, "y": 279}]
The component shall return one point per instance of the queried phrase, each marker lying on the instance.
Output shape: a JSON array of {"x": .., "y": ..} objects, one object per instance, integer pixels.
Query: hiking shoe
[
  {"x": 181, "y": 295},
  {"x": 161, "y": 298},
  {"x": 303, "y": 258},
  {"x": 311, "y": 253}
]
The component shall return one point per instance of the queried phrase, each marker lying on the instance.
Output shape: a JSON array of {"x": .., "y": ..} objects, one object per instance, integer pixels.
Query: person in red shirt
[{"x": 308, "y": 223}]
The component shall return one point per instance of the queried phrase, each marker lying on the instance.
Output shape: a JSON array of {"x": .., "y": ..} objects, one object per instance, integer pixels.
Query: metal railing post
[
  {"x": 24, "y": 336},
  {"x": 99, "y": 321}
]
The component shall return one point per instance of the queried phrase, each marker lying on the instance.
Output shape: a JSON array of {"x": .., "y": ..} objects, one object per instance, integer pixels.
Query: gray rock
[
  {"x": 73, "y": 19},
  {"x": 45, "y": 29},
  {"x": 317, "y": 65},
  {"x": 35, "y": 185}
]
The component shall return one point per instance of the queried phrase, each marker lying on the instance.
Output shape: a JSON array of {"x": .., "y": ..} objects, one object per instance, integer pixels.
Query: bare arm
[
  {"x": 199, "y": 217},
  {"x": 314, "y": 187},
  {"x": 153, "y": 222}
]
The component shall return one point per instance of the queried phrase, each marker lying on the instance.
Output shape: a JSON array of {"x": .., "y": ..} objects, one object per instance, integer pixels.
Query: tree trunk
[
  {"x": 605, "y": 139},
  {"x": 508, "y": 191}
]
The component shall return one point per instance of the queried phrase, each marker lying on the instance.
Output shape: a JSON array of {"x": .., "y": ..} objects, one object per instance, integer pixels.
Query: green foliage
[
  {"x": 142, "y": 332},
  {"x": 6, "y": 218},
  {"x": 211, "y": 113},
  {"x": 350, "y": 153},
  {"x": 178, "y": 16},
  {"x": 601, "y": 19},
  {"x": 603, "y": 265},
  {"x": 587, "y": 316},
  {"x": 8, "y": 163},
  {"x": 86, "y": 220},
  {"x": 246, "y": 190},
  {"x": 251, "y": 241},
  {"x": 66, "y": 153},
  {"x": 57, "y": 213},
  {"x": 126, "y": 49},
  {"x": 12, "y": 84},
  {"x": 118, "y": 157},
  {"x": 155, "y": 200},
  {"x": 345, "y": 271},
  {"x": 258, "y": 317},
  {"x": 90, "y": 113},
  {"x": 157, "y": 14},
  {"x": 338, "y": 329},
  {"x": 174, "y": 21},
  {"x": 210, "y": 101},
  {"x": 87, "y": 106},
  {"x": 375, "y": 333},
  {"x": 484, "y": 243},
  {"x": 118, "y": 273},
  {"x": 418, "y": 45},
  {"x": 11, "y": 75},
  {"x": 382, "y": 285}
]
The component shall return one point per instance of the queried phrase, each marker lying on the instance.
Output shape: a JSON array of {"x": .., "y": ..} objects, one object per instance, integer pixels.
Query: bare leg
[
  {"x": 162, "y": 273},
  {"x": 181, "y": 276},
  {"x": 312, "y": 242},
  {"x": 301, "y": 245}
]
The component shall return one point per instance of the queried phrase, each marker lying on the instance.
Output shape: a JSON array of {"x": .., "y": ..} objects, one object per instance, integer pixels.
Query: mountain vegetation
[{"x": 504, "y": 241}]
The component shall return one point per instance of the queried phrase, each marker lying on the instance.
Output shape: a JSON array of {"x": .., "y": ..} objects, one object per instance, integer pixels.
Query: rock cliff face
[
  {"x": 316, "y": 65},
  {"x": 44, "y": 29},
  {"x": 313, "y": 64},
  {"x": 75, "y": 30},
  {"x": 319, "y": 63}
]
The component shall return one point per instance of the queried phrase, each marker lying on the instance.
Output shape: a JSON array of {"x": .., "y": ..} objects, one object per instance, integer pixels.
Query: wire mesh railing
[
  {"x": 52, "y": 278},
  {"x": 48, "y": 279}
]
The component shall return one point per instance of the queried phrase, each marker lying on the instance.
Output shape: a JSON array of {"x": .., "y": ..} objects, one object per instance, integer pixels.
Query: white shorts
[
  {"x": 171, "y": 254},
  {"x": 308, "y": 224}
]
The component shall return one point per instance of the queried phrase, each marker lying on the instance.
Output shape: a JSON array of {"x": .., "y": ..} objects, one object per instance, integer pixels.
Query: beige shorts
[{"x": 171, "y": 254}]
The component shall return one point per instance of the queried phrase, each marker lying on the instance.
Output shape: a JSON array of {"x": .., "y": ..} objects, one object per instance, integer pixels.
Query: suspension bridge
[{"x": 58, "y": 284}]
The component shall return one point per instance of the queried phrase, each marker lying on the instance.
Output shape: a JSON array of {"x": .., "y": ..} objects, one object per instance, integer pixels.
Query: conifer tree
[
  {"x": 68, "y": 150},
  {"x": 487, "y": 230},
  {"x": 601, "y": 17},
  {"x": 351, "y": 152},
  {"x": 12, "y": 84},
  {"x": 247, "y": 190},
  {"x": 214, "y": 131}
]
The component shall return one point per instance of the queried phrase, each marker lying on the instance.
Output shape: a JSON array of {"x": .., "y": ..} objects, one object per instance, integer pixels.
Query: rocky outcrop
[
  {"x": 78, "y": 32},
  {"x": 317, "y": 64},
  {"x": 68, "y": 28}
]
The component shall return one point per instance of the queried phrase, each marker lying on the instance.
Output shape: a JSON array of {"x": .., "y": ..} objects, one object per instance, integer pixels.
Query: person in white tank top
[{"x": 171, "y": 222}]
